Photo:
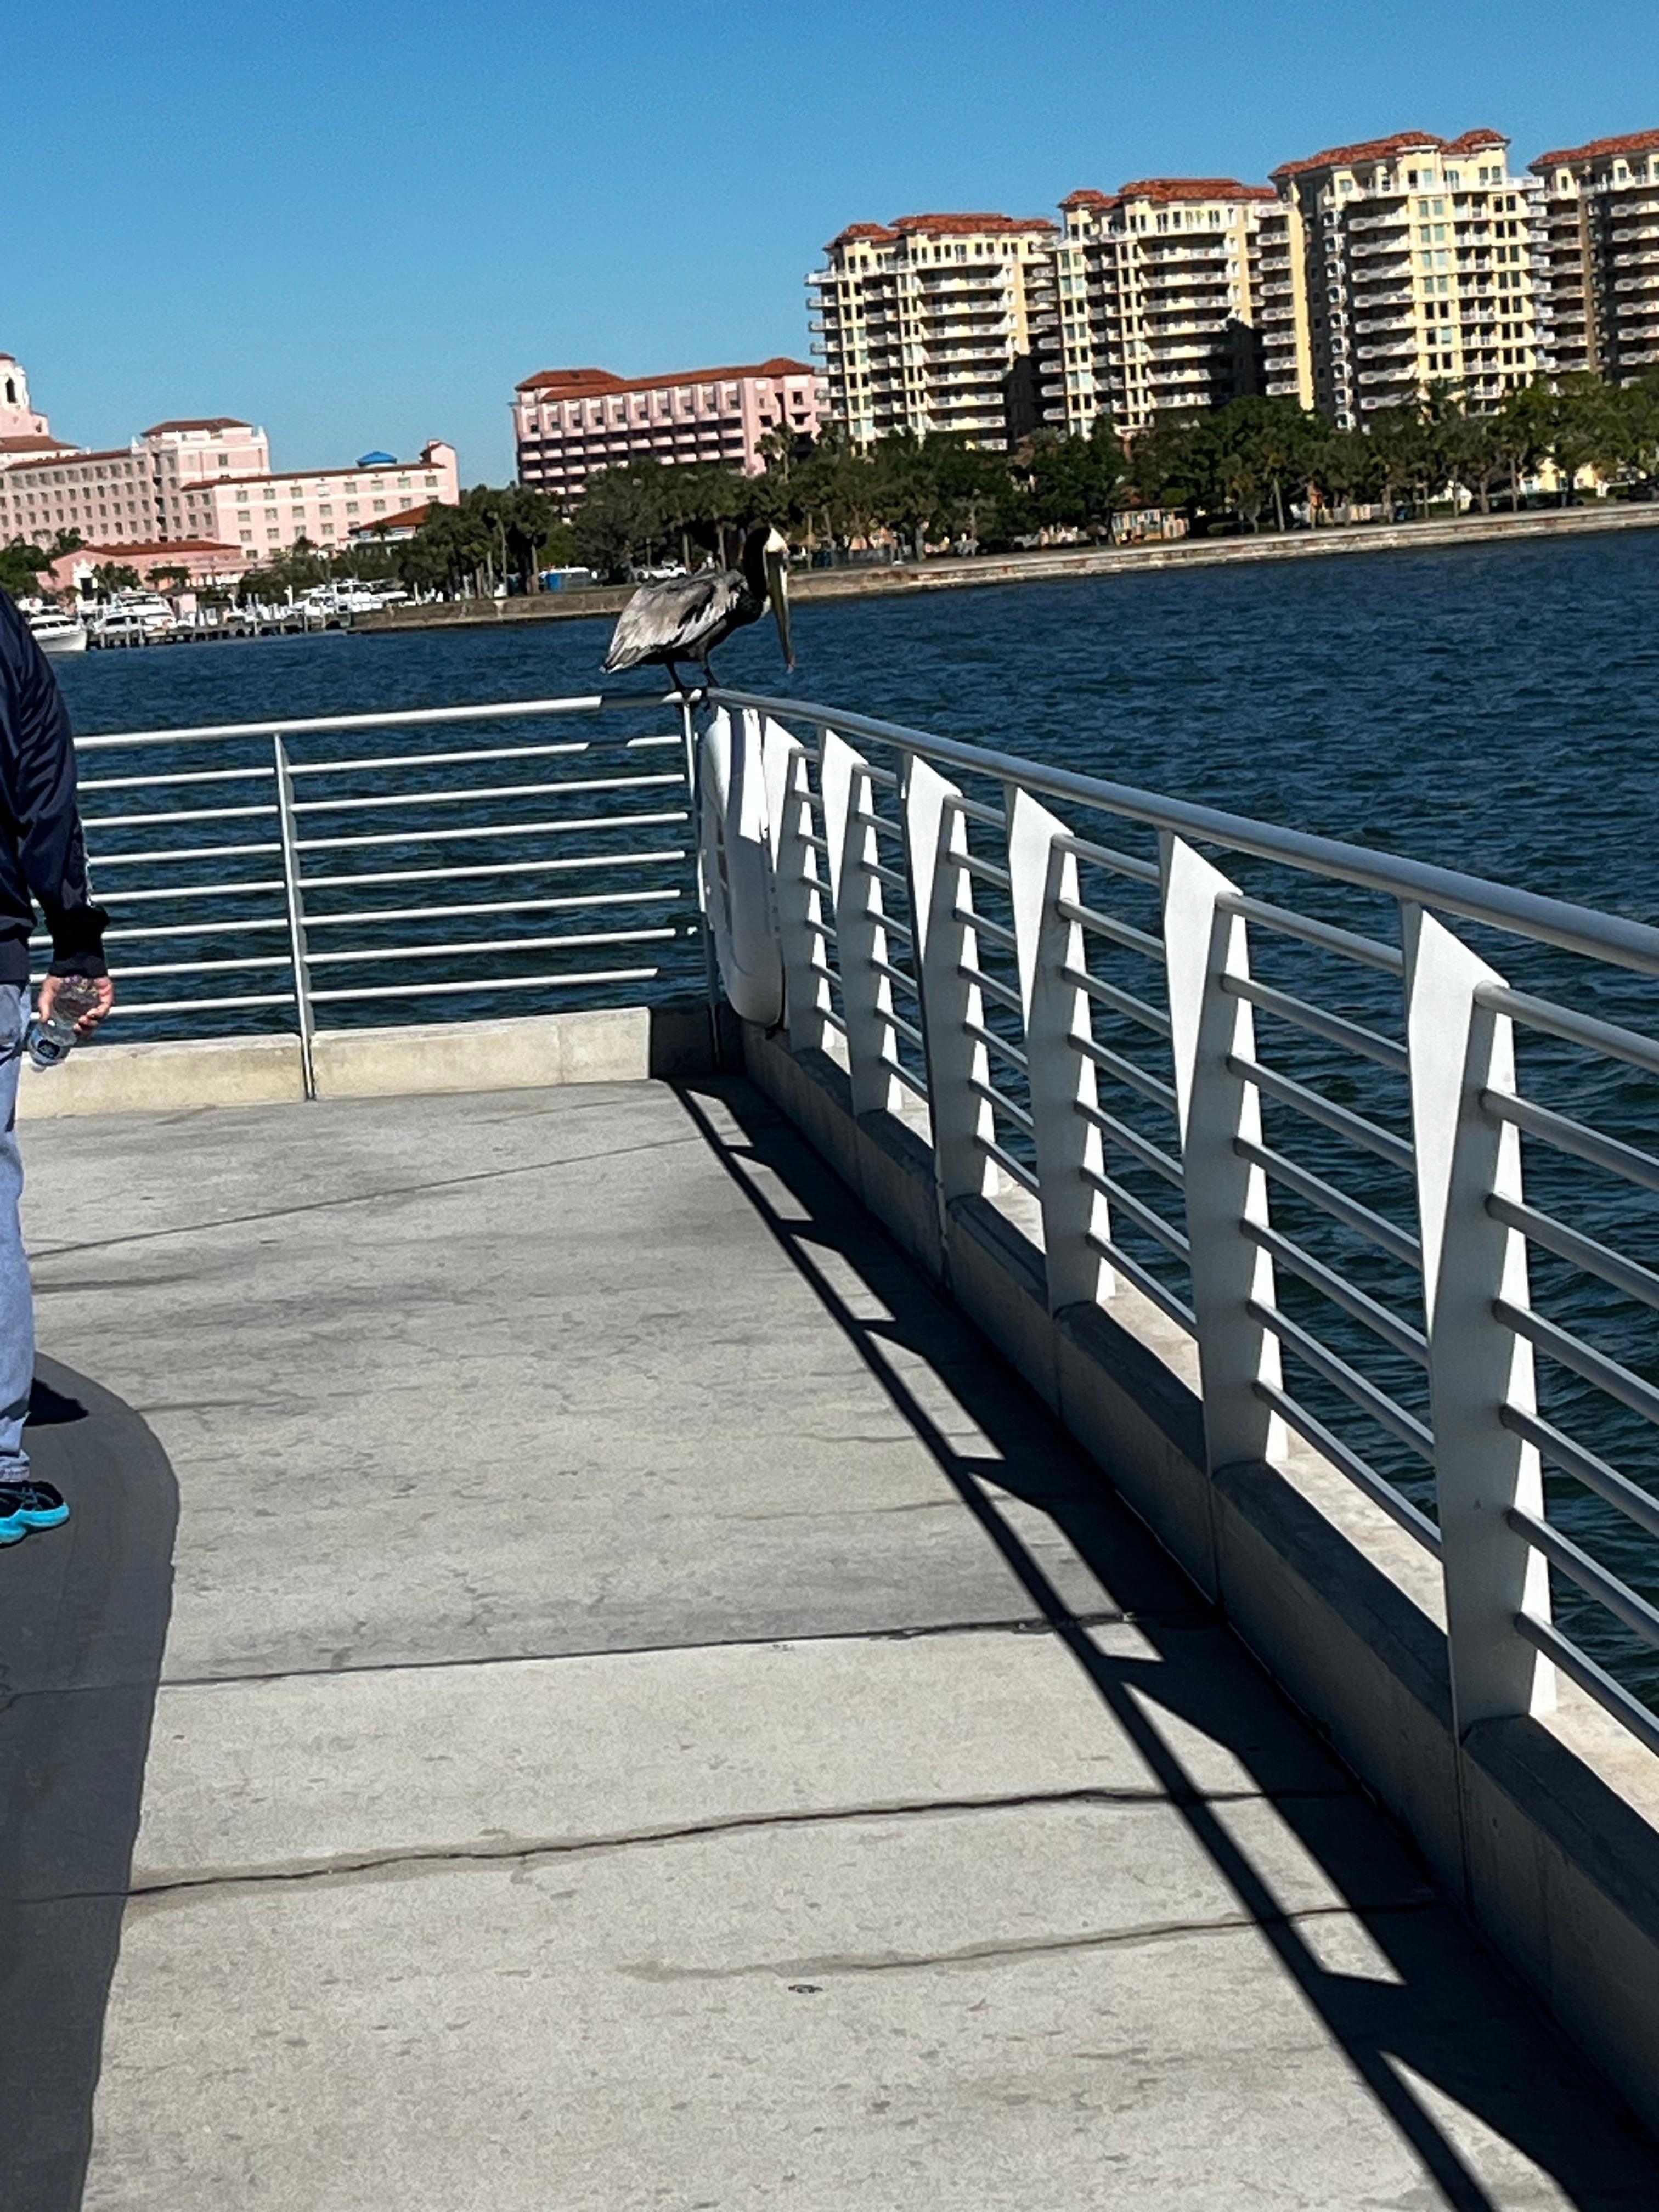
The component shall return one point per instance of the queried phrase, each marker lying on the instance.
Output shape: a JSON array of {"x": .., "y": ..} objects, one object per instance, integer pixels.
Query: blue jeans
[{"x": 16, "y": 1300}]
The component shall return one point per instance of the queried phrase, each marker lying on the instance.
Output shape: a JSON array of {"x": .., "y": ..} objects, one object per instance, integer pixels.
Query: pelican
[{"x": 686, "y": 617}]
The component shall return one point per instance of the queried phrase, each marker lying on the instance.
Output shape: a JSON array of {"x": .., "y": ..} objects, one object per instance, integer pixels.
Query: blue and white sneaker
[{"x": 31, "y": 1504}]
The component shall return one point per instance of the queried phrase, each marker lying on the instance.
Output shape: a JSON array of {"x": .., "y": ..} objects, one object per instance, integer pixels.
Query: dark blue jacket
[{"x": 42, "y": 851}]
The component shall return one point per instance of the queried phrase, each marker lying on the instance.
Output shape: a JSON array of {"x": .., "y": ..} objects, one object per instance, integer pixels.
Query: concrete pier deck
[{"x": 575, "y": 1681}]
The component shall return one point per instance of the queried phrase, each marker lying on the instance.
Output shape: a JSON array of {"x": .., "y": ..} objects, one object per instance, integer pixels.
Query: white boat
[
  {"x": 58, "y": 633},
  {"x": 134, "y": 615}
]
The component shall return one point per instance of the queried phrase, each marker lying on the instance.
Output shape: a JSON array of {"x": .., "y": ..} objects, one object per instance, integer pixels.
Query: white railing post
[
  {"x": 1457, "y": 1049},
  {"x": 1204, "y": 946},
  {"x": 935, "y": 838},
  {"x": 866, "y": 996},
  {"x": 299, "y": 951},
  {"x": 799, "y": 888},
  {"x": 1060, "y": 1080}
]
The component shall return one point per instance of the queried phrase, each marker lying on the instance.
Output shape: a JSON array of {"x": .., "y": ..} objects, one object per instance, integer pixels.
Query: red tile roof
[
  {"x": 597, "y": 383},
  {"x": 1598, "y": 149},
  {"x": 939, "y": 226},
  {"x": 1086, "y": 198},
  {"x": 1387, "y": 149},
  {"x": 34, "y": 442},
  {"x": 198, "y": 423},
  {"x": 858, "y": 233},
  {"x": 1194, "y": 188},
  {"x": 408, "y": 518},
  {"x": 153, "y": 549},
  {"x": 61, "y": 456}
]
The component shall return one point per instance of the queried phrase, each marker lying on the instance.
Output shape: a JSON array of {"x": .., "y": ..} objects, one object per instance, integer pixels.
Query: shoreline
[{"x": 1054, "y": 563}]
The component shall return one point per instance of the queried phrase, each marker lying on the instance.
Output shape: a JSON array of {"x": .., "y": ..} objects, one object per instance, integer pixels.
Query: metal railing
[
  {"x": 279, "y": 875},
  {"x": 1400, "y": 1196}
]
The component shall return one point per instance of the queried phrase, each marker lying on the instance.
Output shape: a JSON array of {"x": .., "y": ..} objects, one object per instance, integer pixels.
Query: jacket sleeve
[{"x": 49, "y": 836}]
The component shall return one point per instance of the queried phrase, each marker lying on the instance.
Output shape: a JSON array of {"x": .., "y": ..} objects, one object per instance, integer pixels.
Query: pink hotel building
[
  {"x": 571, "y": 423},
  {"x": 206, "y": 482}
]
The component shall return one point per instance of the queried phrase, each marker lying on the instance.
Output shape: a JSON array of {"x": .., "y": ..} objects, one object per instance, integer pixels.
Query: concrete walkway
[{"x": 576, "y": 1682}]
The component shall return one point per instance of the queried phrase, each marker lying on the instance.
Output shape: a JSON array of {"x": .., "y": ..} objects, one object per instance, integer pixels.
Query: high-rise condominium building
[
  {"x": 939, "y": 322},
  {"x": 1159, "y": 296},
  {"x": 1403, "y": 262},
  {"x": 569, "y": 423},
  {"x": 1600, "y": 251}
]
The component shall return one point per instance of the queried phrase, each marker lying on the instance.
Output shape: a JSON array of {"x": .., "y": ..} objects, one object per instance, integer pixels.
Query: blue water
[{"x": 1491, "y": 708}]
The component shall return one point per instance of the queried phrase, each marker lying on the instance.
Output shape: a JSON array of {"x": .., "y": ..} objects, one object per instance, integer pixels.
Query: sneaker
[{"x": 31, "y": 1504}]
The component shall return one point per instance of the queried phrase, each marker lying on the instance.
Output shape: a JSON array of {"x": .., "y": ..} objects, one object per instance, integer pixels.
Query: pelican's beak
[{"x": 777, "y": 589}]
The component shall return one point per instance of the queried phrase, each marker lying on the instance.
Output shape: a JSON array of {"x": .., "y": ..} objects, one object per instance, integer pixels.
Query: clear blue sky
[{"x": 361, "y": 224}]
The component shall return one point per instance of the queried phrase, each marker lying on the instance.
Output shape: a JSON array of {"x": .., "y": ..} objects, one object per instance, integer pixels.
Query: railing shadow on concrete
[
  {"x": 86, "y": 1618},
  {"x": 1382, "y": 2025}
]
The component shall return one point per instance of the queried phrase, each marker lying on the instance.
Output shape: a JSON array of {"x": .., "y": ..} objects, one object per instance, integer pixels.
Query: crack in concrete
[{"x": 527, "y": 1850}]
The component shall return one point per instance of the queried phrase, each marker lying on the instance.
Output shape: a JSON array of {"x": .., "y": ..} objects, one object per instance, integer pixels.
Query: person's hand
[{"x": 50, "y": 986}]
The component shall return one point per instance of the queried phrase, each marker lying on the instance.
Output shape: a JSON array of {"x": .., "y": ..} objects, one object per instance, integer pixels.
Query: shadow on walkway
[
  {"x": 83, "y": 1619},
  {"x": 1446, "y": 2016}
]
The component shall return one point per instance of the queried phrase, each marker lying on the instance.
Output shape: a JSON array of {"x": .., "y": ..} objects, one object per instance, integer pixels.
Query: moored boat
[{"x": 56, "y": 632}]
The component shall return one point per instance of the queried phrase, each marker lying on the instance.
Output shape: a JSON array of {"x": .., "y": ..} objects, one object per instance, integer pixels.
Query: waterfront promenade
[{"x": 647, "y": 1711}]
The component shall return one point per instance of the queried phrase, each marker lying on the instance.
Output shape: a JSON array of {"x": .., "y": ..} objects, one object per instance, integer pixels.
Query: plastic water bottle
[{"x": 52, "y": 1042}]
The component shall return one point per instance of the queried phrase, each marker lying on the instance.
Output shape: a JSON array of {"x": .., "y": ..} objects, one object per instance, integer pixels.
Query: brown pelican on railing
[{"x": 686, "y": 617}]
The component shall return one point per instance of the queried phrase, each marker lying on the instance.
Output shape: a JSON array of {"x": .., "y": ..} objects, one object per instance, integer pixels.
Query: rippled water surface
[{"x": 1491, "y": 708}]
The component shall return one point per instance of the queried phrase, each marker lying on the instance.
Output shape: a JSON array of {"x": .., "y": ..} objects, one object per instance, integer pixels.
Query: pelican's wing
[{"x": 671, "y": 617}]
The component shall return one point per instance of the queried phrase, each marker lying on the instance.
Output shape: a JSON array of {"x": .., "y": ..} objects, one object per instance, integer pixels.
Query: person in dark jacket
[{"x": 43, "y": 858}]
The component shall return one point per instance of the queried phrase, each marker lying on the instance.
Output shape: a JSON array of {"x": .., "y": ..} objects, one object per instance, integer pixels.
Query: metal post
[
  {"x": 1204, "y": 947},
  {"x": 1457, "y": 1049},
  {"x": 935, "y": 839},
  {"x": 866, "y": 996},
  {"x": 705, "y": 938},
  {"x": 1060, "y": 1080},
  {"x": 800, "y": 900},
  {"x": 298, "y": 951}
]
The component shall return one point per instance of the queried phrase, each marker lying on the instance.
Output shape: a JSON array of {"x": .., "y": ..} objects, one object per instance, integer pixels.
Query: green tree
[
  {"x": 20, "y": 567},
  {"x": 620, "y": 518}
]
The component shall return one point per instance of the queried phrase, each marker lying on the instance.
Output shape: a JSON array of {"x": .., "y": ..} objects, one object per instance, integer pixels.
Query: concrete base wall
[
  {"x": 620, "y": 1044},
  {"x": 1546, "y": 1831}
]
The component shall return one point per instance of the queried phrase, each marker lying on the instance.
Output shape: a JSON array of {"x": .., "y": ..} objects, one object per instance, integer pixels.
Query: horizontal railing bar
[
  {"x": 1560, "y": 1450},
  {"x": 575, "y": 746},
  {"x": 895, "y": 927},
  {"x": 1591, "y": 1576},
  {"x": 1107, "y": 856},
  {"x": 871, "y": 820},
  {"x": 1317, "y": 1108},
  {"x": 1335, "y": 1370},
  {"x": 1148, "y": 1218},
  {"x": 999, "y": 1104},
  {"x": 1571, "y": 1136},
  {"x": 413, "y": 836},
  {"x": 1554, "y": 922},
  {"x": 883, "y": 776},
  {"x": 358, "y": 955},
  {"x": 1124, "y": 1071},
  {"x": 1108, "y": 925},
  {"x": 984, "y": 871},
  {"x": 1399, "y": 1336},
  {"x": 1334, "y": 1028},
  {"x": 491, "y": 983},
  {"x": 1359, "y": 1471},
  {"x": 465, "y": 796},
  {"x": 1627, "y": 1275},
  {"x": 1120, "y": 1002},
  {"x": 260, "y": 775},
  {"x": 131, "y": 971},
  {"x": 827, "y": 1013},
  {"x": 186, "y": 853},
  {"x": 1145, "y": 1281},
  {"x": 893, "y": 974},
  {"x": 169, "y": 814},
  {"x": 914, "y": 1083},
  {"x": 818, "y": 844},
  {"x": 1004, "y": 993},
  {"x": 188, "y": 929},
  {"x": 122, "y": 898},
  {"x": 976, "y": 810},
  {"x": 413, "y": 718},
  {"x": 891, "y": 877},
  {"x": 1594, "y": 1680},
  {"x": 128, "y": 1006},
  {"x": 908, "y": 1030},
  {"x": 1341, "y": 1207},
  {"x": 645, "y": 896},
  {"x": 983, "y": 926},
  {"x": 1009, "y": 1052},
  {"x": 1369, "y": 950},
  {"x": 486, "y": 868},
  {"x": 1150, "y": 1156},
  {"x": 1610, "y": 1037},
  {"x": 1567, "y": 1350},
  {"x": 1010, "y": 1166}
]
